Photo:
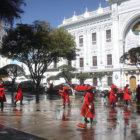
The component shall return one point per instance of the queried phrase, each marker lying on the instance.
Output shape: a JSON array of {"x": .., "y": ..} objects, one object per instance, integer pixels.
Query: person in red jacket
[
  {"x": 88, "y": 106},
  {"x": 19, "y": 96},
  {"x": 2, "y": 96},
  {"x": 113, "y": 95},
  {"x": 126, "y": 96},
  {"x": 63, "y": 91}
]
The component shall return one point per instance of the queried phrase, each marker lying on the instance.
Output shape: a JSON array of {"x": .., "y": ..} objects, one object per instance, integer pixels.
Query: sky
[{"x": 54, "y": 11}]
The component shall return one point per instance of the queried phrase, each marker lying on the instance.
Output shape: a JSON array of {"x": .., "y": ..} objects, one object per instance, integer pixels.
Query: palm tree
[{"x": 10, "y": 10}]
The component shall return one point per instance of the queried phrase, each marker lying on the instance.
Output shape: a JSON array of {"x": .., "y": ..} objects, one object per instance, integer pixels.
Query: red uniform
[
  {"x": 19, "y": 95},
  {"x": 126, "y": 94},
  {"x": 89, "y": 97},
  {"x": 2, "y": 94},
  {"x": 113, "y": 95},
  {"x": 65, "y": 96}
]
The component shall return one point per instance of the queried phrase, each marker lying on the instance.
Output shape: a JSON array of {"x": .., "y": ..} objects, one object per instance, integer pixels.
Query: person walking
[
  {"x": 138, "y": 94},
  {"x": 19, "y": 96},
  {"x": 88, "y": 106},
  {"x": 113, "y": 95},
  {"x": 2, "y": 96},
  {"x": 63, "y": 91},
  {"x": 126, "y": 96}
]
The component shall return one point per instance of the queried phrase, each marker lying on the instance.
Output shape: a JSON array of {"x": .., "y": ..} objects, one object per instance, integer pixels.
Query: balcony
[
  {"x": 109, "y": 66},
  {"x": 94, "y": 67}
]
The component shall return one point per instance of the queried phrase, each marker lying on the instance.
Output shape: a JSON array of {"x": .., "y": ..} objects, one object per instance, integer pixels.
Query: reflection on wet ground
[{"x": 42, "y": 117}]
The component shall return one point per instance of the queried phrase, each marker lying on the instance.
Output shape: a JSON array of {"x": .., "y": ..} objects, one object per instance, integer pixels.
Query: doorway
[{"x": 132, "y": 83}]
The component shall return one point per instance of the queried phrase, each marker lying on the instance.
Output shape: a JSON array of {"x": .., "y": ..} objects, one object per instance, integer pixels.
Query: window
[
  {"x": 133, "y": 59},
  {"x": 81, "y": 40},
  {"x": 94, "y": 60},
  {"x": 109, "y": 80},
  {"x": 136, "y": 28},
  {"x": 109, "y": 59},
  {"x": 93, "y": 38},
  {"x": 81, "y": 62},
  {"x": 108, "y": 35},
  {"x": 95, "y": 81}
]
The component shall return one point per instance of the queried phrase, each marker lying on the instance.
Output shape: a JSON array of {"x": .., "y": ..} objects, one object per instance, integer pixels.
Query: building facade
[
  {"x": 102, "y": 36},
  {"x": 3, "y": 61}
]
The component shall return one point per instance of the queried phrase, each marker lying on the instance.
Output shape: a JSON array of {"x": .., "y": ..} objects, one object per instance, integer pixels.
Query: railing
[
  {"x": 109, "y": 66},
  {"x": 94, "y": 67},
  {"x": 91, "y": 14}
]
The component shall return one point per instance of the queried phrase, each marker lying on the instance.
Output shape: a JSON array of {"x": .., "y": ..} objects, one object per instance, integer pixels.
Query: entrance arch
[{"x": 132, "y": 82}]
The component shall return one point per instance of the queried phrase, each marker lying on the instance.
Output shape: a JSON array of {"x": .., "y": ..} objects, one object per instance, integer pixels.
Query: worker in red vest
[
  {"x": 19, "y": 96},
  {"x": 113, "y": 95},
  {"x": 65, "y": 95},
  {"x": 88, "y": 106},
  {"x": 2, "y": 96},
  {"x": 126, "y": 96}
]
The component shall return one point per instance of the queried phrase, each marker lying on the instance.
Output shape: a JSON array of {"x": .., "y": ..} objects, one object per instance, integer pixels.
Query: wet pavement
[{"x": 44, "y": 118}]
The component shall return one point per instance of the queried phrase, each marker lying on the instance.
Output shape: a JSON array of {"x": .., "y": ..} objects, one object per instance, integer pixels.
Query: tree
[
  {"x": 3, "y": 73},
  {"x": 37, "y": 46},
  {"x": 13, "y": 71},
  {"x": 10, "y": 10},
  {"x": 132, "y": 57},
  {"x": 66, "y": 72},
  {"x": 52, "y": 78},
  {"x": 83, "y": 76}
]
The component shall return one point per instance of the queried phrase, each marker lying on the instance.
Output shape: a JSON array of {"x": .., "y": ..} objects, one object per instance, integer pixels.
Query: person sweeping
[
  {"x": 19, "y": 96},
  {"x": 2, "y": 96},
  {"x": 63, "y": 91},
  {"x": 88, "y": 108}
]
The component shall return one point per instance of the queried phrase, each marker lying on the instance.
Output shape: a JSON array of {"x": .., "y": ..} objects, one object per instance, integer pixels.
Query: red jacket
[
  {"x": 19, "y": 95},
  {"x": 2, "y": 95},
  {"x": 126, "y": 94},
  {"x": 112, "y": 97},
  {"x": 89, "y": 97}
]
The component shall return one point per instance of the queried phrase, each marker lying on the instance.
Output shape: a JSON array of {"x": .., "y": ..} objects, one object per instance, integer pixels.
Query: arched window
[{"x": 136, "y": 28}]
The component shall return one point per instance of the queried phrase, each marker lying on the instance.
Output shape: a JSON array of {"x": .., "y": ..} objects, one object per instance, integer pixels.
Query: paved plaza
[{"x": 44, "y": 118}]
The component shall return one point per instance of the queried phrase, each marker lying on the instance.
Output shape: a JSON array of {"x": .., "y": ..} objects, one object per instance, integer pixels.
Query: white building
[
  {"x": 103, "y": 36},
  {"x": 3, "y": 61}
]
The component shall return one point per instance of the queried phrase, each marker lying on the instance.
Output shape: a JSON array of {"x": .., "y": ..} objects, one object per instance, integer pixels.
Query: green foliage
[
  {"x": 53, "y": 78},
  {"x": 66, "y": 72},
  {"x": 3, "y": 73},
  {"x": 10, "y": 9},
  {"x": 63, "y": 44},
  {"x": 99, "y": 75},
  {"x": 83, "y": 76},
  {"x": 37, "y": 46}
]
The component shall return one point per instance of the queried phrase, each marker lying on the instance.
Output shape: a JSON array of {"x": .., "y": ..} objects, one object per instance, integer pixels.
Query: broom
[{"x": 82, "y": 124}]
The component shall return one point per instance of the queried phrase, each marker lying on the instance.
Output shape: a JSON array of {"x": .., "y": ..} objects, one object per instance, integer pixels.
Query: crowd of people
[
  {"x": 115, "y": 93},
  {"x": 126, "y": 95},
  {"x": 88, "y": 110}
]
